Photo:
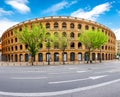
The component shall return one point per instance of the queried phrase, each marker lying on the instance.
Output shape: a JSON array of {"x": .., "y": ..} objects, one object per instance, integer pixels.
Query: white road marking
[
  {"x": 97, "y": 77},
  {"x": 80, "y": 71},
  {"x": 28, "y": 78},
  {"x": 92, "y": 77},
  {"x": 67, "y": 81},
  {"x": 59, "y": 92}
]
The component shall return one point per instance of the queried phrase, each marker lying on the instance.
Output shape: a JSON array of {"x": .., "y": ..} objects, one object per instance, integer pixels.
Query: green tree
[
  {"x": 49, "y": 43},
  {"x": 92, "y": 40},
  {"x": 61, "y": 40},
  {"x": 31, "y": 37},
  {"x": 100, "y": 39}
]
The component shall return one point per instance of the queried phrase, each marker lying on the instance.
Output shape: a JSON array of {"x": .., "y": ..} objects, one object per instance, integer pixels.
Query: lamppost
[{"x": 48, "y": 44}]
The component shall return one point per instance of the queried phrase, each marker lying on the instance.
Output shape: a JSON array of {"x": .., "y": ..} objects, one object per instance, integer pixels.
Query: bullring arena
[{"x": 13, "y": 51}]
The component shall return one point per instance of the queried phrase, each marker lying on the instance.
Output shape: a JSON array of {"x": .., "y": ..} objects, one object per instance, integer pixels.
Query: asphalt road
[{"x": 82, "y": 80}]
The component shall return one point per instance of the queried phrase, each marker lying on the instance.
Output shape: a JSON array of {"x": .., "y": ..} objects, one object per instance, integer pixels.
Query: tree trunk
[
  {"x": 100, "y": 56},
  {"x": 32, "y": 60},
  {"x": 89, "y": 60}
]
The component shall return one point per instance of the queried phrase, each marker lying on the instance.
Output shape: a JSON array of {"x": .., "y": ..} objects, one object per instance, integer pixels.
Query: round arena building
[{"x": 13, "y": 51}]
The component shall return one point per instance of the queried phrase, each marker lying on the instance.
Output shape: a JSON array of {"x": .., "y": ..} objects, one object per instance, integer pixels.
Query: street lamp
[{"x": 48, "y": 44}]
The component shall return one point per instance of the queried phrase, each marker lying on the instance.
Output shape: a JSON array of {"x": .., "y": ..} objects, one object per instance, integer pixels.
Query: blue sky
[{"x": 106, "y": 12}]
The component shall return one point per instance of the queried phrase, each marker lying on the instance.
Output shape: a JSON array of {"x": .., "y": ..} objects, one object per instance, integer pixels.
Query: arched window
[
  {"x": 40, "y": 57},
  {"x": 102, "y": 47},
  {"x": 16, "y": 58},
  {"x": 102, "y": 56},
  {"x": 55, "y": 25},
  {"x": 72, "y": 45},
  {"x": 15, "y": 39},
  {"x": 21, "y": 57},
  {"x": 26, "y": 46},
  {"x": 20, "y": 47},
  {"x": 72, "y": 56},
  {"x": 105, "y": 47},
  {"x": 93, "y": 56},
  {"x": 47, "y": 25},
  {"x": 64, "y": 56},
  {"x": 26, "y": 57},
  {"x": 56, "y": 57},
  {"x": 48, "y": 57},
  {"x": 64, "y": 26},
  {"x": 93, "y": 28},
  {"x": 12, "y": 58},
  {"x": 106, "y": 57},
  {"x": 20, "y": 29},
  {"x": 98, "y": 56},
  {"x": 11, "y": 40},
  {"x": 72, "y": 26},
  {"x": 86, "y": 27},
  {"x": 80, "y": 56},
  {"x": 12, "y": 48},
  {"x": 72, "y": 35},
  {"x": 79, "y": 45},
  {"x": 64, "y": 34},
  {"x": 16, "y": 48},
  {"x": 79, "y": 26},
  {"x": 102, "y": 30},
  {"x": 11, "y": 33}
]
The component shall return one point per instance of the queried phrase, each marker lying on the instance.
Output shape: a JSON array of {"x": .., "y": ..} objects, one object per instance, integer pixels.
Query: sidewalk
[{"x": 46, "y": 63}]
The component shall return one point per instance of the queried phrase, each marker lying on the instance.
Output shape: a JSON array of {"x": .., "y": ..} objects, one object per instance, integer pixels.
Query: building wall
[
  {"x": 118, "y": 47},
  {"x": 12, "y": 50}
]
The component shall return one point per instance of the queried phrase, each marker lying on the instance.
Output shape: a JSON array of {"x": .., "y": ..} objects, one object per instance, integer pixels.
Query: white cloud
[
  {"x": 92, "y": 14},
  {"x": 59, "y": 6},
  {"x": 56, "y": 7},
  {"x": 117, "y": 33},
  {"x": 4, "y": 12},
  {"x": 71, "y": 3},
  {"x": 5, "y": 24},
  {"x": 19, "y": 5}
]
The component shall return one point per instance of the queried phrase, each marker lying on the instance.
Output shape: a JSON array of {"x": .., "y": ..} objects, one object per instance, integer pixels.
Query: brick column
[
  {"x": 44, "y": 57},
  {"x": 68, "y": 57},
  {"x": 60, "y": 57},
  {"x": 36, "y": 57}
]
